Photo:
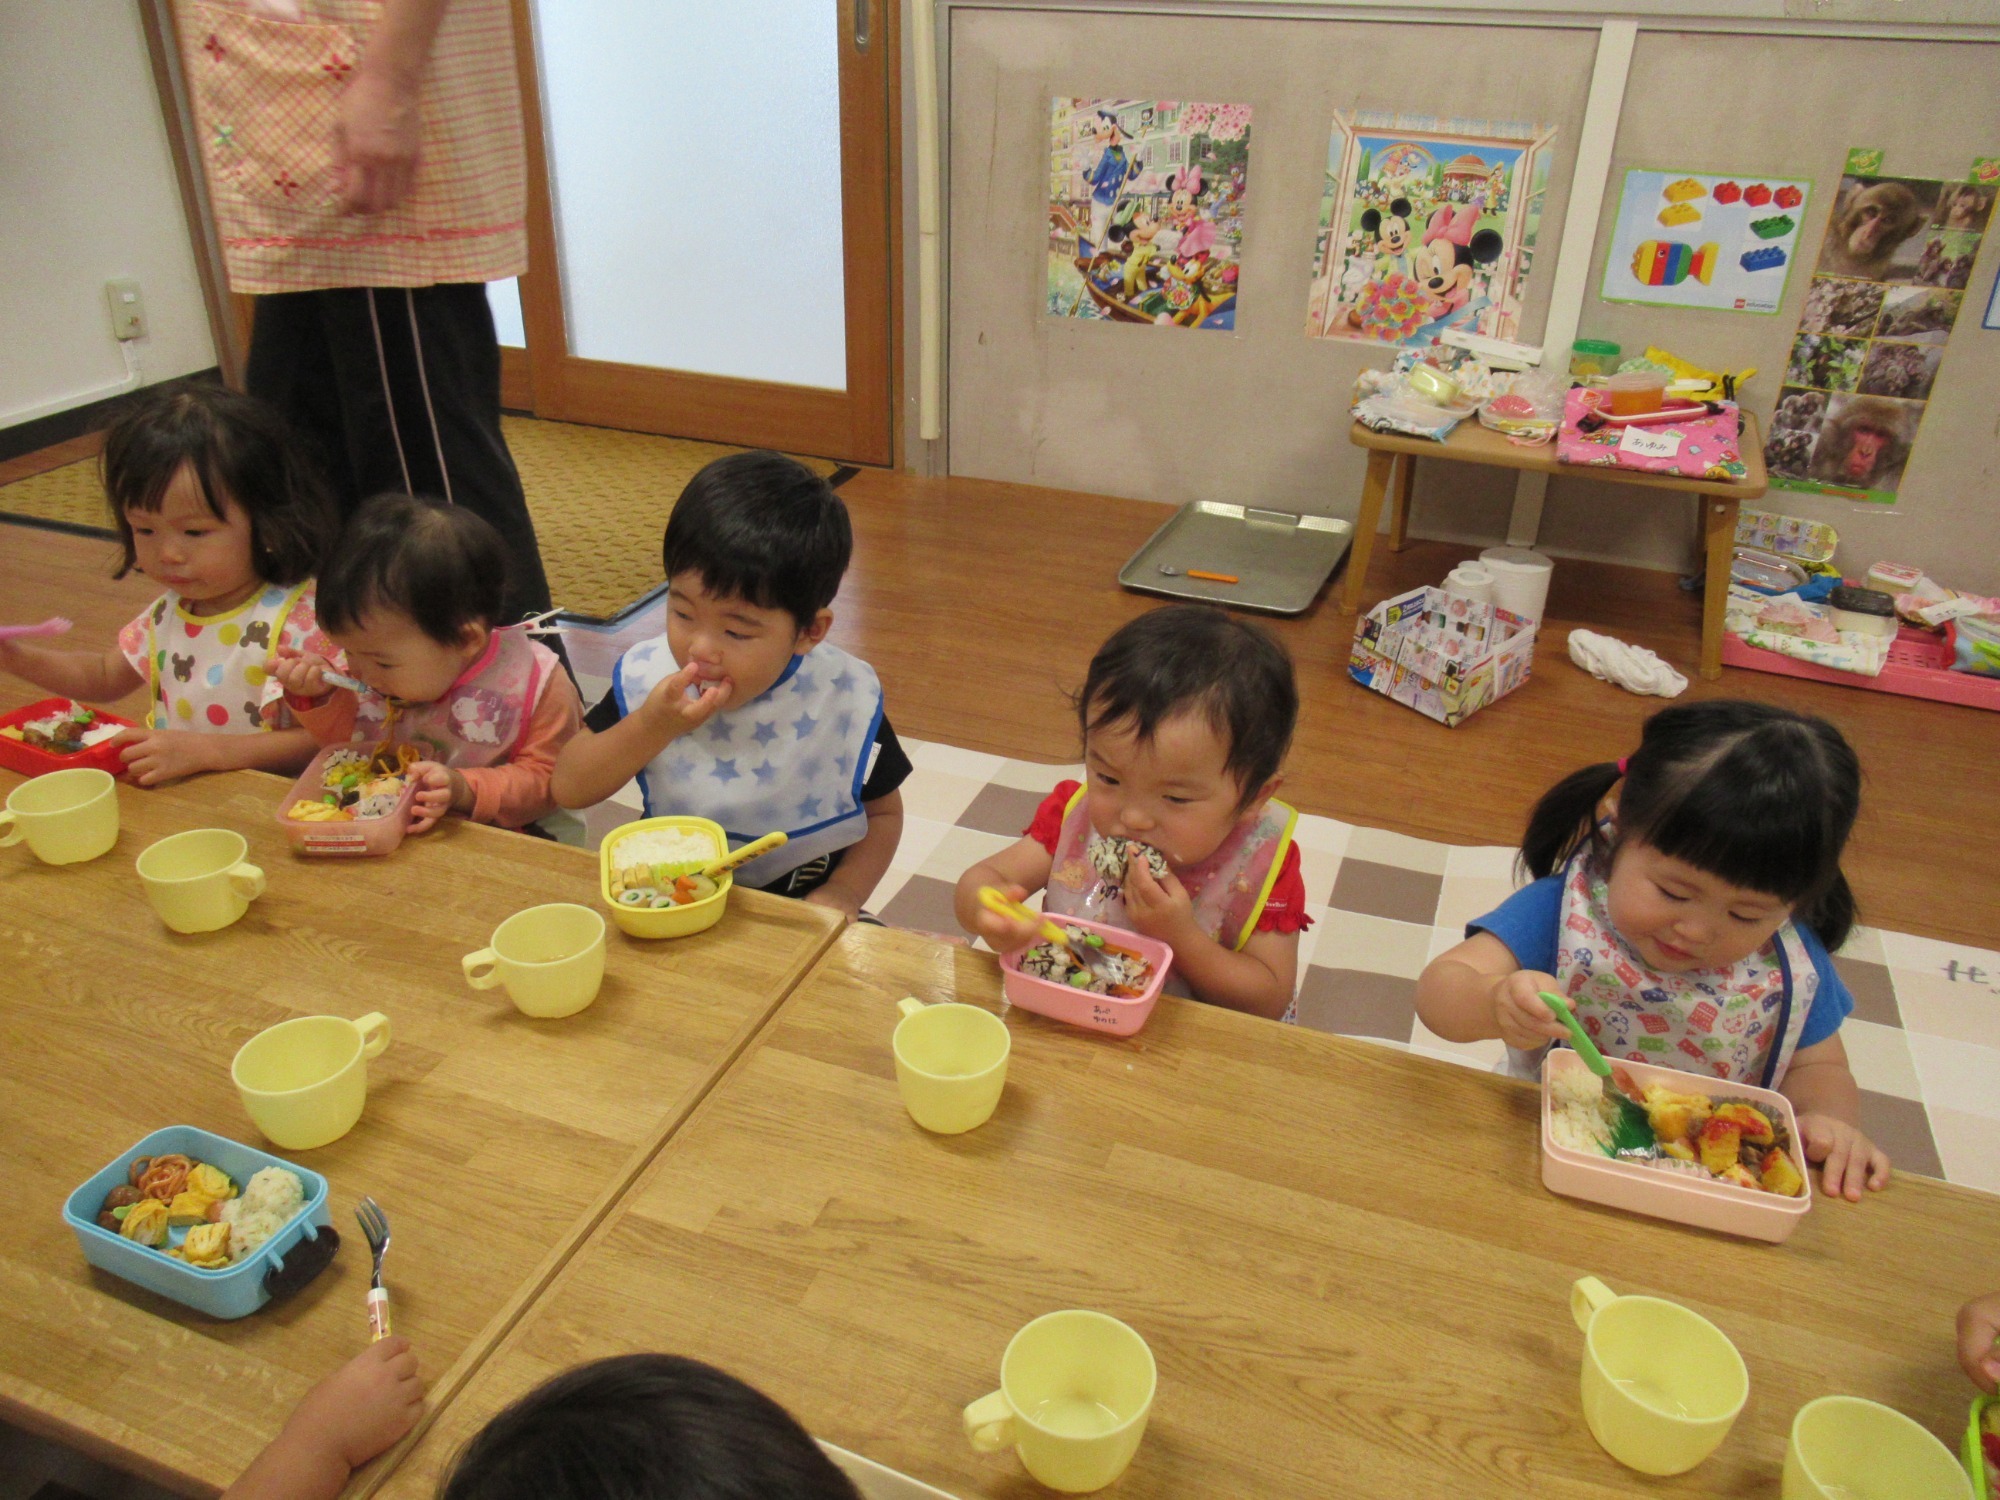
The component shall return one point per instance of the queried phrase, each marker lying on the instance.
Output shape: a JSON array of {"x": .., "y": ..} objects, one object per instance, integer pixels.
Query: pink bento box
[
  {"x": 1079, "y": 1007},
  {"x": 1683, "y": 1198},
  {"x": 358, "y": 837}
]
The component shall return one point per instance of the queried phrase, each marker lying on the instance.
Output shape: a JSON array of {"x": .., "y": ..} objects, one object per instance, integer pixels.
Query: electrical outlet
[{"x": 128, "y": 309}]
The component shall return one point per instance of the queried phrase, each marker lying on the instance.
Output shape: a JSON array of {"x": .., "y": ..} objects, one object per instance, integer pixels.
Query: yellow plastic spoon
[{"x": 744, "y": 855}]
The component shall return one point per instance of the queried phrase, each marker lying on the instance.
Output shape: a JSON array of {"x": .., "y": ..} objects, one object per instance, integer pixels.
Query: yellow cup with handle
[
  {"x": 550, "y": 958},
  {"x": 200, "y": 881},
  {"x": 1661, "y": 1384},
  {"x": 305, "y": 1081},
  {"x": 951, "y": 1064},
  {"x": 66, "y": 817},
  {"x": 1845, "y": 1448},
  {"x": 1076, "y": 1388}
]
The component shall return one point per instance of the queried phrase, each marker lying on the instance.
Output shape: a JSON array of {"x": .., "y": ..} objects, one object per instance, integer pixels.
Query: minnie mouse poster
[{"x": 1446, "y": 264}]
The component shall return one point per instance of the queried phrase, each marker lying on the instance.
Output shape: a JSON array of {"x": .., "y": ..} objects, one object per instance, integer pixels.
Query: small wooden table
[
  {"x": 1342, "y": 1257},
  {"x": 493, "y": 1142},
  {"x": 1473, "y": 444}
]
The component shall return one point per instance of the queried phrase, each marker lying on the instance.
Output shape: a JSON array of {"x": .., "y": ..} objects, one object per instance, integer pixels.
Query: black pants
[{"x": 401, "y": 389}]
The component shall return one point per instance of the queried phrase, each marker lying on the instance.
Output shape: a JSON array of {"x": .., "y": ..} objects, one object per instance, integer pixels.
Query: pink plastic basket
[
  {"x": 1918, "y": 667},
  {"x": 359, "y": 838},
  {"x": 1683, "y": 1198},
  {"x": 1079, "y": 1007}
]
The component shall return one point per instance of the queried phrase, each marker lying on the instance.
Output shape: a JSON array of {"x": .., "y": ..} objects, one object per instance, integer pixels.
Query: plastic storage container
[
  {"x": 1589, "y": 358},
  {"x": 17, "y": 755},
  {"x": 1636, "y": 392},
  {"x": 358, "y": 836},
  {"x": 235, "y": 1292},
  {"x": 1061, "y": 1002},
  {"x": 664, "y": 921},
  {"x": 1683, "y": 1198}
]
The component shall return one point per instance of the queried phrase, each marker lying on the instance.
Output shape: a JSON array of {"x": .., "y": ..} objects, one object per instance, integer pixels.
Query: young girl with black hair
[
  {"x": 214, "y": 501},
  {"x": 634, "y": 1427},
  {"x": 1185, "y": 715},
  {"x": 1685, "y": 901},
  {"x": 410, "y": 597}
]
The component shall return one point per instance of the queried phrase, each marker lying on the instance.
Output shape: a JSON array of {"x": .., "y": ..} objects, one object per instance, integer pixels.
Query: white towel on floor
[{"x": 1633, "y": 668}]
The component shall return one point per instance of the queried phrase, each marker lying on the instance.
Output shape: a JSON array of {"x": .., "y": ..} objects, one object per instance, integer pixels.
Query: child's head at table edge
[
  {"x": 753, "y": 554},
  {"x": 1735, "y": 807},
  {"x": 644, "y": 1427},
  {"x": 412, "y": 593},
  {"x": 1185, "y": 714},
  {"x": 202, "y": 457}
]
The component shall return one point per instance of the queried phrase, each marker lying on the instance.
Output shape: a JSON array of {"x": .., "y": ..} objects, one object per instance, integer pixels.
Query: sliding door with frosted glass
[{"x": 710, "y": 187}]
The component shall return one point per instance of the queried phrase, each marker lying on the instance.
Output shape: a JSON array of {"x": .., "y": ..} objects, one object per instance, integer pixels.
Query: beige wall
[{"x": 1260, "y": 415}]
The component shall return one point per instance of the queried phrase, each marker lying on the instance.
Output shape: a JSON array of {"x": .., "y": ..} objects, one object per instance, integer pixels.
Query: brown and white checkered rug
[{"x": 1924, "y": 1038}]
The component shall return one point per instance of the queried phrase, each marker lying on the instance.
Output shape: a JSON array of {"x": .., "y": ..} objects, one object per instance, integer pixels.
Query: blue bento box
[{"x": 233, "y": 1292}]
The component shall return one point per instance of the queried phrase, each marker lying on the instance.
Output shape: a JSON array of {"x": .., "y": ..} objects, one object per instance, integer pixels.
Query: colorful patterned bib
[{"x": 481, "y": 717}]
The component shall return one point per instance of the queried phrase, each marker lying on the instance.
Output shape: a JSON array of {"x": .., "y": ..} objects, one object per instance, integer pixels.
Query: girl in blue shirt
[{"x": 1685, "y": 901}]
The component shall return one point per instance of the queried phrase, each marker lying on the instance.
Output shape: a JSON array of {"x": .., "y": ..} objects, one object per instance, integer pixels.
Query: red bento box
[{"x": 17, "y": 755}]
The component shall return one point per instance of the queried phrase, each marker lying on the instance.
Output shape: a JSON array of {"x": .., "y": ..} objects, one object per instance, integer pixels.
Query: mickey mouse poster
[{"x": 1426, "y": 225}]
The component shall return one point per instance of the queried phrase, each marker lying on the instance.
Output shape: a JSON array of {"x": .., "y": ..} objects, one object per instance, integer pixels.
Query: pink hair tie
[{"x": 1623, "y": 762}]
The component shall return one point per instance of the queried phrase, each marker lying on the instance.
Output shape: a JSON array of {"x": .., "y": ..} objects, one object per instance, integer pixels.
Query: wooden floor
[{"x": 981, "y": 603}]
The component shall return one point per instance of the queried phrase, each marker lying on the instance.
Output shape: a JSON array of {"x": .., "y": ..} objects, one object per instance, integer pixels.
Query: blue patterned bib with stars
[{"x": 794, "y": 757}]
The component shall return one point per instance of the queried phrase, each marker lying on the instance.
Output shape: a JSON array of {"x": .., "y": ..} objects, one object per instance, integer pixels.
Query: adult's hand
[{"x": 375, "y": 141}]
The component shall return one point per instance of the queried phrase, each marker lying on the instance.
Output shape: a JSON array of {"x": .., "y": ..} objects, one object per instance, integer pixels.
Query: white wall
[{"x": 87, "y": 193}]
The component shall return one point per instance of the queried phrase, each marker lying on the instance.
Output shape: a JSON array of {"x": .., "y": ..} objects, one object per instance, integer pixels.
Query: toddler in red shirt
[{"x": 1186, "y": 715}]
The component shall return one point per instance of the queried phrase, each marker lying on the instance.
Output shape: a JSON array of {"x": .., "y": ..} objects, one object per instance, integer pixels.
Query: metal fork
[{"x": 375, "y": 1225}]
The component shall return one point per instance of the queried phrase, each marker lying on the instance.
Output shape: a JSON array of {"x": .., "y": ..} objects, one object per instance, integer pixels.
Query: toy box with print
[{"x": 1445, "y": 656}]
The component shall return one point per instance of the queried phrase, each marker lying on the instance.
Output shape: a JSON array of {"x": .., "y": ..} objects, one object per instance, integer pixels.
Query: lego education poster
[
  {"x": 1697, "y": 239},
  {"x": 1146, "y": 201},
  {"x": 1426, "y": 225},
  {"x": 1888, "y": 288}
]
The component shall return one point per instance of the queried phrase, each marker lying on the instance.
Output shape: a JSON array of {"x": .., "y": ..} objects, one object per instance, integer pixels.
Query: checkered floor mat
[{"x": 1924, "y": 1038}]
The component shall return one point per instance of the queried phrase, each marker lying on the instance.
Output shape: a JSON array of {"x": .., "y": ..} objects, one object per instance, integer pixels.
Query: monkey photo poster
[
  {"x": 1424, "y": 225},
  {"x": 1882, "y": 301},
  {"x": 1698, "y": 239}
]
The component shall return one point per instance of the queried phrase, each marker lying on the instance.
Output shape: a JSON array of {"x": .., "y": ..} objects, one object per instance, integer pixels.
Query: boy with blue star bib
[{"x": 742, "y": 712}]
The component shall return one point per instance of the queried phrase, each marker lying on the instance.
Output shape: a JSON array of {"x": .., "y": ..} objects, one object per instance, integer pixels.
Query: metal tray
[{"x": 1281, "y": 559}]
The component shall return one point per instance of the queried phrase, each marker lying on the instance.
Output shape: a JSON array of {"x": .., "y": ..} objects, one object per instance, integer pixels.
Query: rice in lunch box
[
  {"x": 1578, "y": 1117},
  {"x": 664, "y": 846}
]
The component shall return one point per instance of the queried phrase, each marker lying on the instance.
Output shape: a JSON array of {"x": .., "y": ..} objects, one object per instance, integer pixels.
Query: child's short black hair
[
  {"x": 236, "y": 446},
  {"x": 644, "y": 1427},
  {"x": 442, "y": 565},
  {"x": 1754, "y": 794},
  {"x": 762, "y": 527},
  {"x": 1194, "y": 657}
]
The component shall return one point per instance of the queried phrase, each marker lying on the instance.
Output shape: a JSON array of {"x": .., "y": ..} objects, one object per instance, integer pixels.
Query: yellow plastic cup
[
  {"x": 1845, "y": 1448},
  {"x": 1075, "y": 1391},
  {"x": 304, "y": 1081},
  {"x": 199, "y": 881},
  {"x": 951, "y": 1064},
  {"x": 550, "y": 958},
  {"x": 1661, "y": 1384},
  {"x": 67, "y": 817}
]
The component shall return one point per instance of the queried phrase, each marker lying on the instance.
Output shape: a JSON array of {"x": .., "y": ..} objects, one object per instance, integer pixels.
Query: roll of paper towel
[
  {"x": 1520, "y": 579},
  {"x": 1469, "y": 581}
]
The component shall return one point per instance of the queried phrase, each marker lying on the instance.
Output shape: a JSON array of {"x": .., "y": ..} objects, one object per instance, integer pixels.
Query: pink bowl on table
[
  {"x": 1063, "y": 1002},
  {"x": 1681, "y": 1197},
  {"x": 364, "y": 837}
]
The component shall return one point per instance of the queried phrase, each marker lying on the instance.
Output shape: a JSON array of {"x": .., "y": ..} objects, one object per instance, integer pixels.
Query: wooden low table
[
  {"x": 1342, "y": 1256},
  {"x": 1392, "y": 470},
  {"x": 493, "y": 1142}
]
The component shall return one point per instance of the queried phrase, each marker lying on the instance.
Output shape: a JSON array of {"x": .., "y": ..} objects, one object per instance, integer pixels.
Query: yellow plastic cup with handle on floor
[
  {"x": 1662, "y": 1385},
  {"x": 1076, "y": 1388},
  {"x": 66, "y": 817},
  {"x": 199, "y": 881},
  {"x": 951, "y": 1064},
  {"x": 304, "y": 1081},
  {"x": 550, "y": 958},
  {"x": 1845, "y": 1448}
]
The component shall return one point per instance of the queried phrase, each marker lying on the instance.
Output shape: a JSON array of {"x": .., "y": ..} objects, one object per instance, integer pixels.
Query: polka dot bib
[{"x": 212, "y": 672}]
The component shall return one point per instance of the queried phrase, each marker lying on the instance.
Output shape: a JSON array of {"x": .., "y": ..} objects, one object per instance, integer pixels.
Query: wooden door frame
[{"x": 856, "y": 425}]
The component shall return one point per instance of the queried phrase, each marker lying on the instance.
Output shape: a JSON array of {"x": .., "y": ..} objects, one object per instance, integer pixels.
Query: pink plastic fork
[{"x": 54, "y": 625}]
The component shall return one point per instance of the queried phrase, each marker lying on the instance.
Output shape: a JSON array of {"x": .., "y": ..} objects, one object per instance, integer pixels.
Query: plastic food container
[
  {"x": 1973, "y": 1453},
  {"x": 664, "y": 921},
  {"x": 1061, "y": 1002},
  {"x": 1637, "y": 392},
  {"x": 1589, "y": 358},
  {"x": 358, "y": 836},
  {"x": 18, "y": 755},
  {"x": 234, "y": 1292},
  {"x": 1868, "y": 611},
  {"x": 1684, "y": 1199}
]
